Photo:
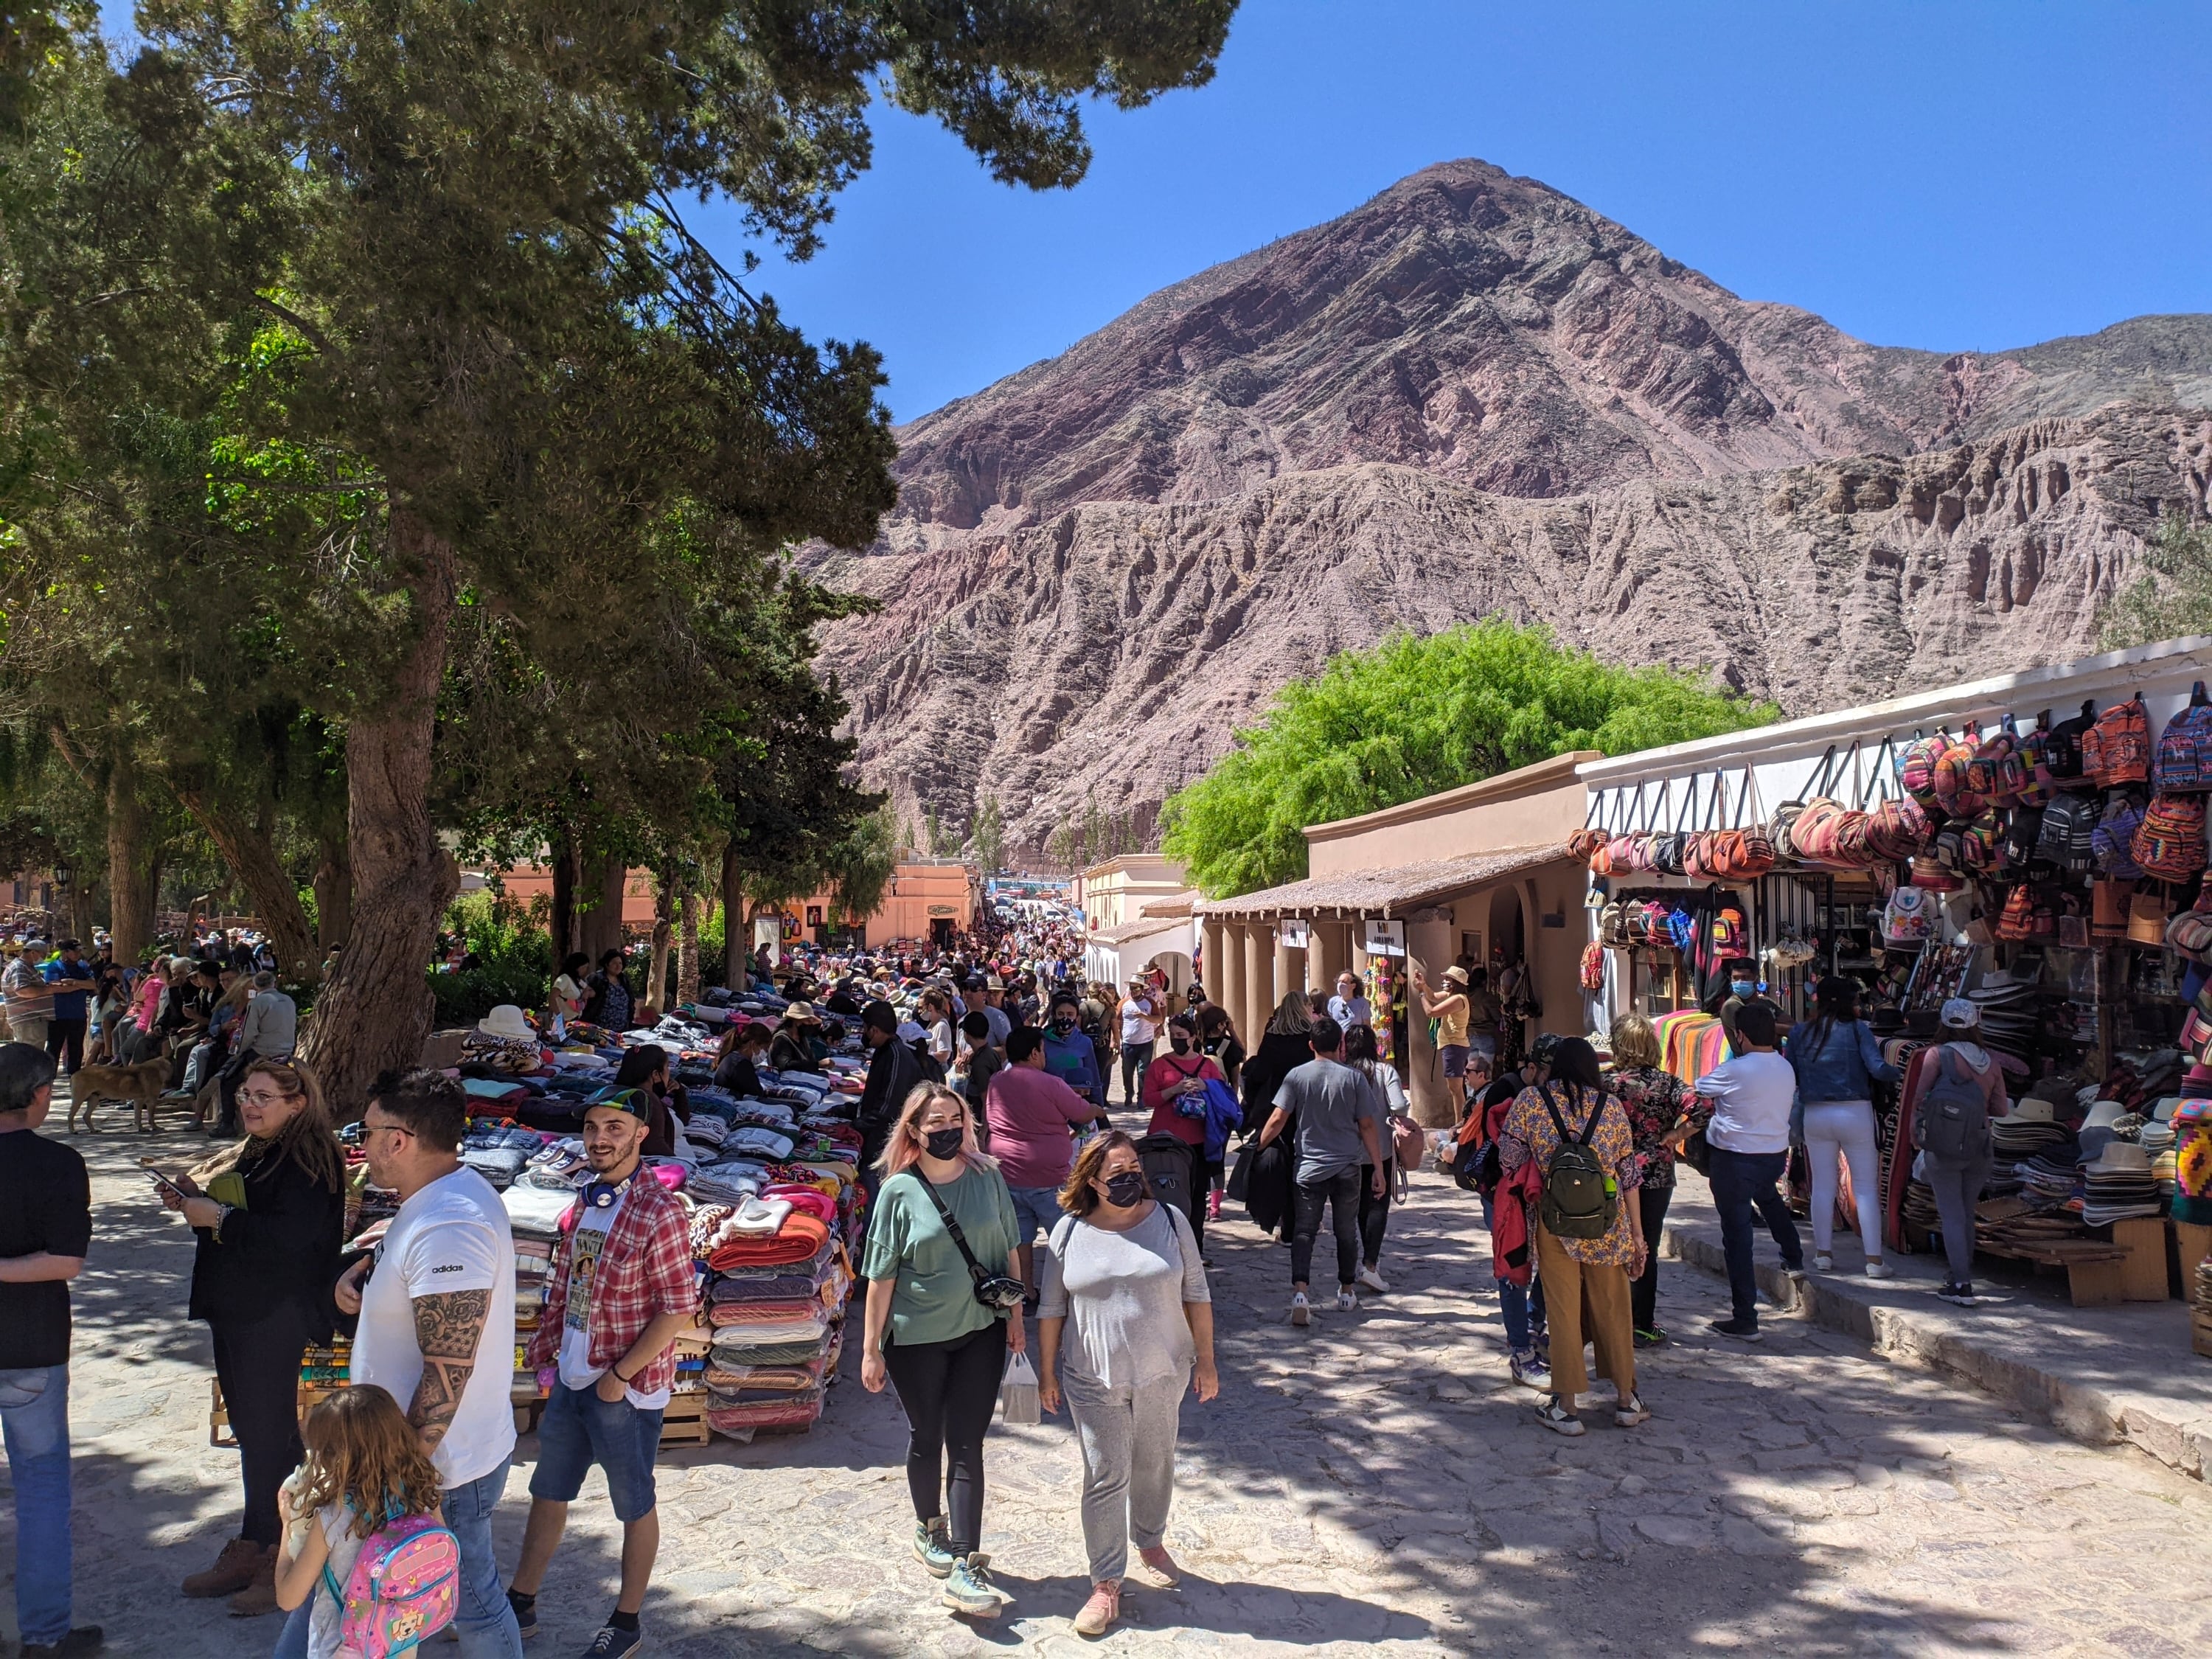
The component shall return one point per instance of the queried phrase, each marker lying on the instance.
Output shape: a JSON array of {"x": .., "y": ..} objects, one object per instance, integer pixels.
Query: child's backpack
[
  {"x": 1579, "y": 1200},
  {"x": 2117, "y": 749},
  {"x": 1952, "y": 1122},
  {"x": 403, "y": 1588},
  {"x": 2184, "y": 748},
  {"x": 1909, "y": 916}
]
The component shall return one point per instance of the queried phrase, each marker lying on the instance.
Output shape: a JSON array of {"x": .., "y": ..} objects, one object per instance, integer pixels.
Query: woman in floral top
[
  {"x": 1575, "y": 1269},
  {"x": 1663, "y": 1113}
]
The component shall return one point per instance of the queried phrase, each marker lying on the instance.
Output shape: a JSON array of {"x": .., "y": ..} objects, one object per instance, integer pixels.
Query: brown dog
[{"x": 140, "y": 1085}]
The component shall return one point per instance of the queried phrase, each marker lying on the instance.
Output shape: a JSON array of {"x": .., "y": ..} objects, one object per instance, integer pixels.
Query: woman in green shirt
[{"x": 929, "y": 1335}]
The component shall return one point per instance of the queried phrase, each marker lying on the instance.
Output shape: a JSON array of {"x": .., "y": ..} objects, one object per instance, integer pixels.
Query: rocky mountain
[{"x": 1473, "y": 395}]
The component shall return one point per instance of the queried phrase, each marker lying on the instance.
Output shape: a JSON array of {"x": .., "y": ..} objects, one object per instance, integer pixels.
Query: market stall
[{"x": 2035, "y": 843}]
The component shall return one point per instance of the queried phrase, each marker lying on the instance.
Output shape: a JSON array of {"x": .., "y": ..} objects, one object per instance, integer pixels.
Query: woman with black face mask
[
  {"x": 1175, "y": 1094},
  {"x": 931, "y": 1333},
  {"x": 1126, "y": 1325}
]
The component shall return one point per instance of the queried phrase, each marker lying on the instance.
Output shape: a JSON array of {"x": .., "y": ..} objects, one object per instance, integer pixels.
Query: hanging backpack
[
  {"x": 2023, "y": 835},
  {"x": 2065, "y": 837},
  {"x": 2184, "y": 748},
  {"x": 1909, "y": 917},
  {"x": 1580, "y": 1200},
  {"x": 2190, "y": 931},
  {"x": 2117, "y": 749},
  {"x": 2016, "y": 921},
  {"x": 1781, "y": 827},
  {"x": 1915, "y": 769},
  {"x": 404, "y": 1587},
  {"x": 2061, "y": 748},
  {"x": 1954, "y": 793},
  {"x": 2035, "y": 762},
  {"x": 1995, "y": 773},
  {"x": 2169, "y": 843},
  {"x": 1593, "y": 968},
  {"x": 2113, "y": 839},
  {"x": 1952, "y": 1122}
]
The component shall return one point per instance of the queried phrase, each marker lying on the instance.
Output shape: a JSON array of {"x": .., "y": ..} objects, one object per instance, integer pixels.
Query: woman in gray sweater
[{"x": 1125, "y": 1321}]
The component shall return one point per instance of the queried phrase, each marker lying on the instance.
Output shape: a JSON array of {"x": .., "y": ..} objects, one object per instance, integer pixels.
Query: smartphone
[{"x": 167, "y": 1185}]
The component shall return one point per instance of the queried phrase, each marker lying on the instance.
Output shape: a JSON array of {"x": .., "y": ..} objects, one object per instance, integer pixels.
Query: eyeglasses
[
  {"x": 383, "y": 1128},
  {"x": 263, "y": 1097}
]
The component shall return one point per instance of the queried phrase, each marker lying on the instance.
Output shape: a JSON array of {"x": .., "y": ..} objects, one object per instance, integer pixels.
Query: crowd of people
[{"x": 1013, "y": 1229}]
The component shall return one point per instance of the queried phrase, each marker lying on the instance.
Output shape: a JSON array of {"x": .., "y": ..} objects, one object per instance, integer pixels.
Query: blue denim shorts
[
  {"x": 1036, "y": 1210},
  {"x": 577, "y": 1430}
]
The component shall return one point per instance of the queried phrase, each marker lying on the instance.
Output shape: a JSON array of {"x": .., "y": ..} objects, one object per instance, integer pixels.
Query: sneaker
[
  {"x": 968, "y": 1589},
  {"x": 1556, "y": 1418},
  {"x": 1651, "y": 1336},
  {"x": 1960, "y": 1294},
  {"x": 1347, "y": 1300},
  {"x": 1878, "y": 1268},
  {"x": 932, "y": 1546},
  {"x": 1823, "y": 1262},
  {"x": 1531, "y": 1372},
  {"x": 525, "y": 1613},
  {"x": 1628, "y": 1412},
  {"x": 233, "y": 1569},
  {"x": 1796, "y": 1273},
  {"x": 613, "y": 1644},
  {"x": 1159, "y": 1567},
  {"x": 1100, "y": 1612},
  {"x": 1373, "y": 1280},
  {"x": 85, "y": 1638},
  {"x": 1743, "y": 1330},
  {"x": 1301, "y": 1309}
]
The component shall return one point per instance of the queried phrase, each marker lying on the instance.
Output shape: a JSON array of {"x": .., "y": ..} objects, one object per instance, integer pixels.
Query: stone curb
[{"x": 2077, "y": 1410}]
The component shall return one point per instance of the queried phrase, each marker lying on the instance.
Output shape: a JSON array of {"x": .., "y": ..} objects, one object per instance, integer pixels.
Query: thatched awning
[{"x": 1383, "y": 893}]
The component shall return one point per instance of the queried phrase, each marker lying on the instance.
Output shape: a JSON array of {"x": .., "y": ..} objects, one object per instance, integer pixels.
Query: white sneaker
[
  {"x": 1373, "y": 1280},
  {"x": 1823, "y": 1262},
  {"x": 1346, "y": 1302},
  {"x": 1878, "y": 1269},
  {"x": 1301, "y": 1309}
]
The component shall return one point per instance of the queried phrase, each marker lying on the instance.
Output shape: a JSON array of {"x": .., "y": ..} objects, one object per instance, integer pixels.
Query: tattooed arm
[{"x": 447, "y": 1329}]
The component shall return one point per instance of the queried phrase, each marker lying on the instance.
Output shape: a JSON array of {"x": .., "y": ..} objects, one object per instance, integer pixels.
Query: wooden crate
[
  {"x": 684, "y": 1421},
  {"x": 2200, "y": 1332},
  {"x": 2143, "y": 1275}
]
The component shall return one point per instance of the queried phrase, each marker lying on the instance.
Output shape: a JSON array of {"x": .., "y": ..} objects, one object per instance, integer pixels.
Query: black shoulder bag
[{"x": 995, "y": 1291}]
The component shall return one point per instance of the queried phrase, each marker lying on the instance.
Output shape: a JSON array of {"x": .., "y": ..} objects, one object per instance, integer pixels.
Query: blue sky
[{"x": 1934, "y": 173}]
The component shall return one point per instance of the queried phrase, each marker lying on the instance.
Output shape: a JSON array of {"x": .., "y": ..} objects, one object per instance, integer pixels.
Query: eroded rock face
[{"x": 1474, "y": 395}]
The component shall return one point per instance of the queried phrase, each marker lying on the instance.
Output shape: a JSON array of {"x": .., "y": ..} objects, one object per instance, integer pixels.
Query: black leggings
[
  {"x": 258, "y": 1366},
  {"x": 1374, "y": 1212},
  {"x": 1643, "y": 1292},
  {"x": 1340, "y": 1193},
  {"x": 948, "y": 1391}
]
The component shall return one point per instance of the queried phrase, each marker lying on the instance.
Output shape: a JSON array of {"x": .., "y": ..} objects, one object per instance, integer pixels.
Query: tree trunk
[
  {"x": 567, "y": 864},
  {"x": 599, "y": 928},
  {"x": 687, "y": 951},
  {"x": 664, "y": 929},
  {"x": 333, "y": 893},
  {"x": 133, "y": 866},
  {"x": 374, "y": 1011},
  {"x": 736, "y": 947},
  {"x": 84, "y": 897},
  {"x": 250, "y": 850}
]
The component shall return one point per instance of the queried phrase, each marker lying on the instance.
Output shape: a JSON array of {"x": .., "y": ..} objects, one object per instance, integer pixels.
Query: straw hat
[
  {"x": 2029, "y": 1110},
  {"x": 801, "y": 1013},
  {"x": 508, "y": 1021},
  {"x": 2120, "y": 1157},
  {"x": 1455, "y": 974}
]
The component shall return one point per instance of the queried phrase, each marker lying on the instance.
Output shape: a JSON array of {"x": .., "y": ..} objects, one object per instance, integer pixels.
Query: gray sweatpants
[
  {"x": 1128, "y": 1436},
  {"x": 1957, "y": 1188}
]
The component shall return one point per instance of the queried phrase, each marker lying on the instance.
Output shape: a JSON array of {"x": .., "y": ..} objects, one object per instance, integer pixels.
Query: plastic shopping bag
[{"x": 1017, "y": 1392}]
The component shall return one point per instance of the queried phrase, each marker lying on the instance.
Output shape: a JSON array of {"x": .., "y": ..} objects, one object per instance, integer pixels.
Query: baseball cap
[
  {"x": 632, "y": 1100},
  {"x": 1961, "y": 1015}
]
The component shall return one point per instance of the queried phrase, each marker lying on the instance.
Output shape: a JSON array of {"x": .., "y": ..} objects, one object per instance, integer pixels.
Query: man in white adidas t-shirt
[{"x": 436, "y": 1302}]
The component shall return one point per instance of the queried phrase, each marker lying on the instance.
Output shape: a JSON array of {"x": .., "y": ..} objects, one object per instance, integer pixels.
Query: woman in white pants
[
  {"x": 1838, "y": 1062},
  {"x": 1125, "y": 1320}
]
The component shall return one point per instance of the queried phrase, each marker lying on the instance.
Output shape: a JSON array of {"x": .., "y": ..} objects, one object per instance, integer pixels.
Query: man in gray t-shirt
[{"x": 1338, "y": 1119}]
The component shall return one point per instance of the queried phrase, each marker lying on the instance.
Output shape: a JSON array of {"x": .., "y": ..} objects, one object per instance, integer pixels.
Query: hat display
[
  {"x": 510, "y": 1022},
  {"x": 2031, "y": 1127},
  {"x": 2119, "y": 1185},
  {"x": 2103, "y": 1114}
]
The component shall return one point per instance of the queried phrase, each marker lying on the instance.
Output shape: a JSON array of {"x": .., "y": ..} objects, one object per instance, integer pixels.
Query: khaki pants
[{"x": 1570, "y": 1287}]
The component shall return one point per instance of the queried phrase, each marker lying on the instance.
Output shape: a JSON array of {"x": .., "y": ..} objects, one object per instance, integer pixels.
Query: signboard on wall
[
  {"x": 814, "y": 918},
  {"x": 1386, "y": 938},
  {"x": 1293, "y": 934}
]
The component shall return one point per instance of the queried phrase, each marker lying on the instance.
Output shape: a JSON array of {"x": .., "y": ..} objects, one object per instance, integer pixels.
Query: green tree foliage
[
  {"x": 859, "y": 869},
  {"x": 2174, "y": 599},
  {"x": 1414, "y": 716},
  {"x": 987, "y": 835}
]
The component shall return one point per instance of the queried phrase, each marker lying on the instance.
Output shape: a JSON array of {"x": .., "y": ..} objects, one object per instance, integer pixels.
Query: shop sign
[
  {"x": 1386, "y": 938},
  {"x": 1293, "y": 934},
  {"x": 814, "y": 918},
  {"x": 942, "y": 910}
]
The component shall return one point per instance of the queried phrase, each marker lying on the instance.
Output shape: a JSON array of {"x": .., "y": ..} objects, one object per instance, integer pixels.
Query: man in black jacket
[{"x": 894, "y": 1068}]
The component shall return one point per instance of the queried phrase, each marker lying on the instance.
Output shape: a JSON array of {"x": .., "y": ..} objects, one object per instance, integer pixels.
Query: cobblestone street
[{"x": 1372, "y": 1483}]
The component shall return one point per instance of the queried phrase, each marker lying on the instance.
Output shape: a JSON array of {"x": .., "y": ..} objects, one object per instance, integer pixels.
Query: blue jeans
[
  {"x": 577, "y": 1430},
  {"x": 35, "y": 1416},
  {"x": 1515, "y": 1303},
  {"x": 485, "y": 1622},
  {"x": 1743, "y": 1182},
  {"x": 1036, "y": 1210}
]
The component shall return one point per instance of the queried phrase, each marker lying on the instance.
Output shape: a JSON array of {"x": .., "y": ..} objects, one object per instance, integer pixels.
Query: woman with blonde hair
[
  {"x": 1124, "y": 1284},
  {"x": 1663, "y": 1113},
  {"x": 944, "y": 1310},
  {"x": 269, "y": 1214}
]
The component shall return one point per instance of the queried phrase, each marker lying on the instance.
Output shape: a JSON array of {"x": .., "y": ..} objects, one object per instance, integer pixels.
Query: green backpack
[{"x": 1580, "y": 1200}]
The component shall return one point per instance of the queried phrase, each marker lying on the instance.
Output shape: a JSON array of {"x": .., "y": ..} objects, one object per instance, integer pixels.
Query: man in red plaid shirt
[{"x": 621, "y": 1288}]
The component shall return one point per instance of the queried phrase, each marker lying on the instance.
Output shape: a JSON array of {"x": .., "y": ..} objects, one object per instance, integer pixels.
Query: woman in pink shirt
[{"x": 1032, "y": 1116}]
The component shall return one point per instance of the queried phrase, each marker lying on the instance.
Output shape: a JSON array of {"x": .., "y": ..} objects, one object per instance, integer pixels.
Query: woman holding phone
[{"x": 269, "y": 1212}]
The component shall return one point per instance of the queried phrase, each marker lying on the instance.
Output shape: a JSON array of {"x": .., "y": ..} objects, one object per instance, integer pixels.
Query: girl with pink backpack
[{"x": 363, "y": 1542}]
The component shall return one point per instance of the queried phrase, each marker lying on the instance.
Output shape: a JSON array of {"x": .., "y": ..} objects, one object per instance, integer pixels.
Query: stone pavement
[
  {"x": 1373, "y": 1484},
  {"x": 2101, "y": 1374}
]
